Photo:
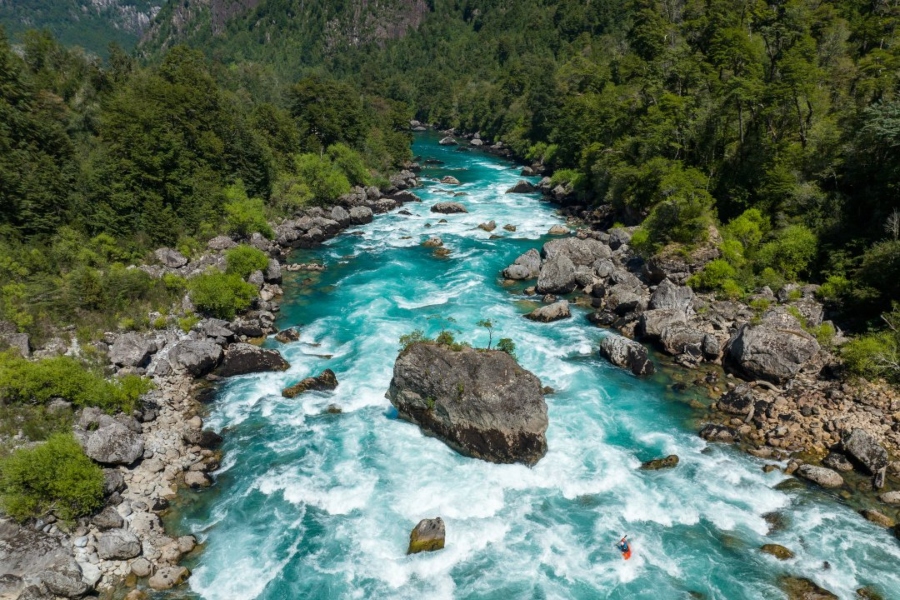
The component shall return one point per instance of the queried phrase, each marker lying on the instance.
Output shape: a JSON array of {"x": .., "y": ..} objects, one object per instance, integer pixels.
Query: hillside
[{"x": 90, "y": 24}]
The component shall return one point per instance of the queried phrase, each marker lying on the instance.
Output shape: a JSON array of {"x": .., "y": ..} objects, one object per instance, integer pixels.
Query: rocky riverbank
[
  {"x": 148, "y": 455},
  {"x": 778, "y": 390}
]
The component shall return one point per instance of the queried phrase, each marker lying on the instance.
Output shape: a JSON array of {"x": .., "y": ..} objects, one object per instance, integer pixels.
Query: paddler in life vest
[{"x": 624, "y": 548}]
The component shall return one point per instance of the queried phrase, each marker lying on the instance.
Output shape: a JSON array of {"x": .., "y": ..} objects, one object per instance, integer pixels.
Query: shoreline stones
[
  {"x": 481, "y": 403},
  {"x": 242, "y": 358},
  {"x": 820, "y": 475},
  {"x": 427, "y": 536}
]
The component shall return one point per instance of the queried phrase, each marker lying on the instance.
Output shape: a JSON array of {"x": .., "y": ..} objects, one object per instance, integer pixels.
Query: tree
[{"x": 487, "y": 324}]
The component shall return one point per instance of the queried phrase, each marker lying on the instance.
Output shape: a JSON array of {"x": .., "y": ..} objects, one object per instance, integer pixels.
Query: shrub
[
  {"x": 64, "y": 377},
  {"x": 714, "y": 276},
  {"x": 508, "y": 346},
  {"x": 874, "y": 355},
  {"x": 221, "y": 295},
  {"x": 350, "y": 164},
  {"x": 187, "y": 323},
  {"x": 55, "y": 476},
  {"x": 748, "y": 229},
  {"x": 243, "y": 260},
  {"x": 834, "y": 288},
  {"x": 324, "y": 181},
  {"x": 244, "y": 215},
  {"x": 790, "y": 253},
  {"x": 409, "y": 339}
]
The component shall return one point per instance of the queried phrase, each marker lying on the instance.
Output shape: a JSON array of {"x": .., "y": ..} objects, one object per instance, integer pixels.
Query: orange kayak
[{"x": 627, "y": 554}]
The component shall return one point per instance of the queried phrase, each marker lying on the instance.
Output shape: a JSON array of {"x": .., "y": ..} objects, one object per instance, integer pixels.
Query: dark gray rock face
[
  {"x": 206, "y": 438},
  {"x": 198, "y": 357},
  {"x": 682, "y": 339},
  {"x": 669, "y": 295},
  {"x": 738, "y": 401},
  {"x": 340, "y": 215},
  {"x": 551, "y": 312},
  {"x": 584, "y": 252},
  {"x": 427, "y": 536},
  {"x": 27, "y": 555},
  {"x": 241, "y": 359},
  {"x": 654, "y": 322},
  {"x": 480, "y": 403},
  {"x": 448, "y": 208},
  {"x": 118, "y": 544},
  {"x": 527, "y": 266},
  {"x": 626, "y": 353},
  {"x": 865, "y": 450},
  {"x": 131, "y": 350},
  {"x": 108, "y": 518},
  {"x": 360, "y": 215},
  {"x": 775, "y": 349},
  {"x": 557, "y": 275}
]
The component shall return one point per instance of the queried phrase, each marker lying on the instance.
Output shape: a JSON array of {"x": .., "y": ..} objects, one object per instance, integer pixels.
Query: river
[{"x": 315, "y": 505}]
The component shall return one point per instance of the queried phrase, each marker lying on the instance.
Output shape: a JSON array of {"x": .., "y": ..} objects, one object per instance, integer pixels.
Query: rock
[
  {"x": 557, "y": 276},
  {"x": 170, "y": 258},
  {"x": 168, "y": 577},
  {"x": 713, "y": 432},
  {"x": 427, "y": 536},
  {"x": 448, "y": 208},
  {"x": 187, "y": 543},
  {"x": 113, "y": 444},
  {"x": 448, "y": 141},
  {"x": 798, "y": 588},
  {"x": 660, "y": 463},
  {"x": 19, "y": 341},
  {"x": 890, "y": 497},
  {"x": 522, "y": 187},
  {"x": 862, "y": 448},
  {"x": 623, "y": 299},
  {"x": 481, "y": 403},
  {"x": 681, "y": 339},
  {"x": 878, "y": 518},
  {"x": 774, "y": 350},
  {"x": 627, "y": 354},
  {"x": 527, "y": 266},
  {"x": 669, "y": 295},
  {"x": 510, "y": 228},
  {"x": 206, "y": 438},
  {"x": 220, "y": 243},
  {"x": 738, "y": 401},
  {"x": 241, "y": 359},
  {"x": 285, "y": 336},
  {"x": 142, "y": 567},
  {"x": 326, "y": 380},
  {"x": 489, "y": 226},
  {"x": 654, "y": 322},
  {"x": 448, "y": 180},
  {"x": 476, "y": 142},
  {"x": 618, "y": 237},
  {"x": 118, "y": 544},
  {"x": 197, "y": 357},
  {"x": 552, "y": 312},
  {"x": 65, "y": 580},
  {"x": 273, "y": 269},
  {"x": 584, "y": 252},
  {"x": 558, "y": 230},
  {"x": 256, "y": 278},
  {"x": 433, "y": 242},
  {"x": 821, "y": 475},
  {"x": 360, "y": 215},
  {"x": 197, "y": 479},
  {"x": 131, "y": 350},
  {"x": 838, "y": 462},
  {"x": 340, "y": 215},
  {"x": 779, "y": 552},
  {"x": 108, "y": 518}
]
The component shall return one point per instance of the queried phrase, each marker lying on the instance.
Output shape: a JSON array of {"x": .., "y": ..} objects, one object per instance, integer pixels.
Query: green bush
[
  {"x": 324, "y": 181},
  {"x": 508, "y": 346},
  {"x": 834, "y": 288},
  {"x": 715, "y": 276},
  {"x": 874, "y": 355},
  {"x": 790, "y": 253},
  {"x": 748, "y": 229},
  {"x": 243, "y": 260},
  {"x": 55, "y": 476},
  {"x": 244, "y": 215},
  {"x": 221, "y": 295},
  {"x": 24, "y": 381},
  {"x": 350, "y": 163}
]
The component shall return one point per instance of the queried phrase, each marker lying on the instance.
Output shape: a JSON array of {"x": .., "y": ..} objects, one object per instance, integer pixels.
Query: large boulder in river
[
  {"x": 527, "y": 266},
  {"x": 820, "y": 475},
  {"x": 557, "y": 275},
  {"x": 625, "y": 353},
  {"x": 427, "y": 536},
  {"x": 360, "y": 215},
  {"x": 197, "y": 357},
  {"x": 481, "y": 403},
  {"x": 864, "y": 450},
  {"x": 775, "y": 349},
  {"x": 581, "y": 252},
  {"x": 324, "y": 381},
  {"x": 448, "y": 208},
  {"x": 551, "y": 312},
  {"x": 522, "y": 187},
  {"x": 241, "y": 359}
]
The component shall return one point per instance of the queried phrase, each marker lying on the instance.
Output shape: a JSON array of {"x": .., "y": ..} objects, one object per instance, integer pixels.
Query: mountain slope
[{"x": 91, "y": 24}]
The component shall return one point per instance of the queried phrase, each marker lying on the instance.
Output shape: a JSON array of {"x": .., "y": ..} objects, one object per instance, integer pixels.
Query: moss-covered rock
[
  {"x": 660, "y": 463},
  {"x": 779, "y": 552},
  {"x": 427, "y": 536}
]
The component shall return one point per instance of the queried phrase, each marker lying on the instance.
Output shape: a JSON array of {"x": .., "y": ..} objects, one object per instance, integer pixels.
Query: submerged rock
[
  {"x": 660, "y": 463},
  {"x": 326, "y": 380},
  {"x": 481, "y": 403},
  {"x": 427, "y": 536},
  {"x": 799, "y": 588},
  {"x": 551, "y": 312},
  {"x": 878, "y": 518},
  {"x": 285, "y": 336},
  {"x": 627, "y": 354},
  {"x": 522, "y": 187},
  {"x": 241, "y": 359},
  {"x": 779, "y": 552},
  {"x": 448, "y": 208}
]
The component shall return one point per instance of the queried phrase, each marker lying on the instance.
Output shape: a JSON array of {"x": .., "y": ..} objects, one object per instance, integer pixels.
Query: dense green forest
[
  {"x": 84, "y": 23},
  {"x": 778, "y": 119},
  {"x": 100, "y": 163}
]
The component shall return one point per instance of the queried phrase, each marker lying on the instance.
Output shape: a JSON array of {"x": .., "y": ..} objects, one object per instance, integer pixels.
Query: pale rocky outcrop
[{"x": 627, "y": 354}]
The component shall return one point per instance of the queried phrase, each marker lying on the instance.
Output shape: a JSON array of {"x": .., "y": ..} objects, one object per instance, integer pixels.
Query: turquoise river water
[{"x": 316, "y": 505}]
